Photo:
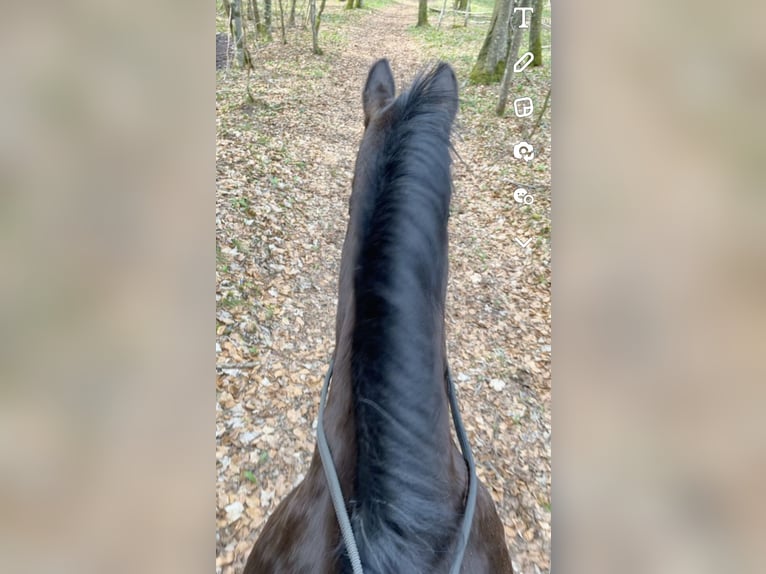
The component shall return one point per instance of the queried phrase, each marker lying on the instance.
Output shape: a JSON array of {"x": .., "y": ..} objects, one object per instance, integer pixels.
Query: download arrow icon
[{"x": 522, "y": 243}]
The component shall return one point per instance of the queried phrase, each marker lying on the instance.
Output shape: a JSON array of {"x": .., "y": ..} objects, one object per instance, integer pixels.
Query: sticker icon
[
  {"x": 522, "y": 63},
  {"x": 521, "y": 195},
  {"x": 523, "y": 107},
  {"x": 523, "y": 150}
]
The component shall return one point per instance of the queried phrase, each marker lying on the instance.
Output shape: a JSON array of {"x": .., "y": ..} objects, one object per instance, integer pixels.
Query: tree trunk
[
  {"x": 314, "y": 31},
  {"x": 490, "y": 63},
  {"x": 282, "y": 21},
  {"x": 441, "y": 14},
  {"x": 513, "y": 55},
  {"x": 235, "y": 27},
  {"x": 350, "y": 5},
  {"x": 291, "y": 21},
  {"x": 422, "y": 12},
  {"x": 460, "y": 4},
  {"x": 535, "y": 36},
  {"x": 319, "y": 15},
  {"x": 358, "y": 4},
  {"x": 227, "y": 7},
  {"x": 267, "y": 17},
  {"x": 260, "y": 32},
  {"x": 250, "y": 10}
]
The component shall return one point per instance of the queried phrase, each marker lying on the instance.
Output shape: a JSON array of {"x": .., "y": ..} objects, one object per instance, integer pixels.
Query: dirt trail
[{"x": 284, "y": 177}]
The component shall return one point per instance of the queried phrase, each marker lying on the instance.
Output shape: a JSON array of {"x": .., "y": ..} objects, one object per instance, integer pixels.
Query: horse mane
[{"x": 402, "y": 520}]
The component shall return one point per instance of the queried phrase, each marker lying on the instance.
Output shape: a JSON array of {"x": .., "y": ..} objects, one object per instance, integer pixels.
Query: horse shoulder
[
  {"x": 487, "y": 550},
  {"x": 300, "y": 537}
]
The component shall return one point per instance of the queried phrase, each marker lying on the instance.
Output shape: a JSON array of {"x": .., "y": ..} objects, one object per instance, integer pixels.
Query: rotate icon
[{"x": 523, "y": 150}]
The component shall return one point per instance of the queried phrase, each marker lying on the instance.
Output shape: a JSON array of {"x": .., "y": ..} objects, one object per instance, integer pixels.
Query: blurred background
[
  {"x": 107, "y": 245},
  {"x": 658, "y": 287}
]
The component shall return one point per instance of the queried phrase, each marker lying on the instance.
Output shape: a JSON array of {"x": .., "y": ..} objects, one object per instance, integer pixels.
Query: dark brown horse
[{"x": 404, "y": 483}]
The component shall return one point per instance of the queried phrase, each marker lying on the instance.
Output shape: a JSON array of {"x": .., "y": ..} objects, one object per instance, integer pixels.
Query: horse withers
[{"x": 402, "y": 485}]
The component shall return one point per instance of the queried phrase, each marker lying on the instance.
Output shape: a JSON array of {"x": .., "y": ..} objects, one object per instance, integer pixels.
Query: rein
[{"x": 337, "y": 495}]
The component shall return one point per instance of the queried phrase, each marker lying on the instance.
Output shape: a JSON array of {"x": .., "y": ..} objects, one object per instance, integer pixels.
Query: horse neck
[{"x": 340, "y": 416}]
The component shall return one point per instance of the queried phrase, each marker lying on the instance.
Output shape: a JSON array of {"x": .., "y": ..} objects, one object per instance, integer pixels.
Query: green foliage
[
  {"x": 238, "y": 245},
  {"x": 230, "y": 301},
  {"x": 240, "y": 203},
  {"x": 485, "y": 78},
  {"x": 456, "y": 45},
  {"x": 249, "y": 475},
  {"x": 460, "y": 45}
]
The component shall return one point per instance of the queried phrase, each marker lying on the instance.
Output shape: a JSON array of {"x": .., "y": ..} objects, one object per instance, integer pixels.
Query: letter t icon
[{"x": 524, "y": 10}]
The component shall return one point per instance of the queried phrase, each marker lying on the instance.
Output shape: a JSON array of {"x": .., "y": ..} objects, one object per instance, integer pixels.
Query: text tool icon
[
  {"x": 521, "y": 195},
  {"x": 522, "y": 63},
  {"x": 523, "y": 150},
  {"x": 523, "y": 107},
  {"x": 525, "y": 10}
]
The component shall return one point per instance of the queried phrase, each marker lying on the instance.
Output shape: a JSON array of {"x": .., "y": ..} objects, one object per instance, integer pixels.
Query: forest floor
[{"x": 284, "y": 168}]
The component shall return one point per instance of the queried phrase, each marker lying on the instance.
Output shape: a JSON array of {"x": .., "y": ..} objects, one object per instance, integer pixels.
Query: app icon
[
  {"x": 523, "y": 150},
  {"x": 523, "y": 107},
  {"x": 522, "y": 63},
  {"x": 521, "y": 195},
  {"x": 524, "y": 11}
]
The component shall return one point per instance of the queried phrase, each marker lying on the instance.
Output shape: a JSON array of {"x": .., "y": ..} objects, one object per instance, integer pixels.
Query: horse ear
[
  {"x": 379, "y": 89},
  {"x": 443, "y": 87}
]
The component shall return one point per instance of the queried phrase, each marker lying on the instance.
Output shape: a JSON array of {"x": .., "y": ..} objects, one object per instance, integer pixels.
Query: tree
[
  {"x": 490, "y": 63},
  {"x": 513, "y": 54},
  {"x": 350, "y": 4},
  {"x": 260, "y": 30},
  {"x": 314, "y": 28},
  {"x": 282, "y": 21},
  {"x": 235, "y": 28},
  {"x": 535, "y": 29},
  {"x": 319, "y": 15},
  {"x": 267, "y": 17},
  {"x": 291, "y": 21},
  {"x": 422, "y": 12}
]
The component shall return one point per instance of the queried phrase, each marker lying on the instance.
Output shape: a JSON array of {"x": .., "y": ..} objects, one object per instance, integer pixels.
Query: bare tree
[
  {"x": 422, "y": 13},
  {"x": 319, "y": 15},
  {"x": 540, "y": 115},
  {"x": 535, "y": 29},
  {"x": 291, "y": 21},
  {"x": 513, "y": 55},
  {"x": 235, "y": 27},
  {"x": 260, "y": 31},
  {"x": 267, "y": 17},
  {"x": 353, "y": 4},
  {"x": 314, "y": 30},
  {"x": 491, "y": 60},
  {"x": 250, "y": 10},
  {"x": 282, "y": 21},
  {"x": 441, "y": 14}
]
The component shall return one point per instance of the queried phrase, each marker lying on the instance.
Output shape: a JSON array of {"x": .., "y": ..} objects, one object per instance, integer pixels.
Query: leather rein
[{"x": 337, "y": 495}]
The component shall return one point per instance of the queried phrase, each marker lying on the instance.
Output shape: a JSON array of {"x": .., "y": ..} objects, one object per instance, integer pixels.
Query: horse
[{"x": 389, "y": 492}]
